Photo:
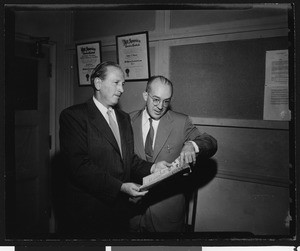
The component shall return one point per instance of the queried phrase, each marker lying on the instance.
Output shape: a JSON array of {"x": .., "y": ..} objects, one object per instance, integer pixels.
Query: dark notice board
[{"x": 221, "y": 79}]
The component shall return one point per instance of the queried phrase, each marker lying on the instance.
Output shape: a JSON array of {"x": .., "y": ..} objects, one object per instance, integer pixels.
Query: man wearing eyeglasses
[{"x": 171, "y": 135}]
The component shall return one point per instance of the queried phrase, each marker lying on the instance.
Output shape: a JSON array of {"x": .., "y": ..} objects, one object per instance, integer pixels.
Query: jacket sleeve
[
  {"x": 82, "y": 172},
  {"x": 207, "y": 144}
]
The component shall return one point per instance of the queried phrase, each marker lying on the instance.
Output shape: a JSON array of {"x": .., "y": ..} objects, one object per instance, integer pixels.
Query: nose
[
  {"x": 160, "y": 105},
  {"x": 120, "y": 88}
]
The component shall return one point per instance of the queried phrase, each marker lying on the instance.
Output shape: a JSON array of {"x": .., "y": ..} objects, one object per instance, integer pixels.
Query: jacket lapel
[
  {"x": 122, "y": 128},
  {"x": 137, "y": 129},
  {"x": 101, "y": 124},
  {"x": 163, "y": 132}
]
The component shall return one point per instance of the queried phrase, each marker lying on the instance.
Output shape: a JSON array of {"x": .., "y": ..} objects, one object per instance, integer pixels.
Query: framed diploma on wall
[
  {"x": 88, "y": 56},
  {"x": 133, "y": 55}
]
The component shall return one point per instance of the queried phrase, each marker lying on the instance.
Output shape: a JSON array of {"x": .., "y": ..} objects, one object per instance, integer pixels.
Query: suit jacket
[
  {"x": 95, "y": 169},
  {"x": 164, "y": 208}
]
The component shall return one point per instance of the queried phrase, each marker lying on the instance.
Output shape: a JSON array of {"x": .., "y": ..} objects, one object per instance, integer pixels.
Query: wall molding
[
  {"x": 247, "y": 25},
  {"x": 273, "y": 26},
  {"x": 253, "y": 178},
  {"x": 241, "y": 123}
]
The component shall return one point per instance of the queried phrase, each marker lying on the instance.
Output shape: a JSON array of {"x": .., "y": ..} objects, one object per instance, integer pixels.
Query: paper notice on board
[{"x": 276, "y": 98}]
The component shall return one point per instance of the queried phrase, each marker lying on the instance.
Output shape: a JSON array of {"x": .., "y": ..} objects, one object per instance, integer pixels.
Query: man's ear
[
  {"x": 145, "y": 95},
  {"x": 97, "y": 83}
]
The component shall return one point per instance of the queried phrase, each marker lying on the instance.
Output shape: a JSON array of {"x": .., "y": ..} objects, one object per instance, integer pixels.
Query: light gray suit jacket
[{"x": 164, "y": 206}]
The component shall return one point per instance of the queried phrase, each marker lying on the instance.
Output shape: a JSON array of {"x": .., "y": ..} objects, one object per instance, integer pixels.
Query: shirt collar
[
  {"x": 146, "y": 117},
  {"x": 100, "y": 106}
]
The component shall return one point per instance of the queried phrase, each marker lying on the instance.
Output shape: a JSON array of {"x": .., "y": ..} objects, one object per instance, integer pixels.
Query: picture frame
[
  {"x": 88, "y": 57},
  {"x": 133, "y": 55}
]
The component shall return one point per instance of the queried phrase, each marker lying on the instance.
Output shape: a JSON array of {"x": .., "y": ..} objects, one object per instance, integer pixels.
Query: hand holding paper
[
  {"x": 132, "y": 189},
  {"x": 163, "y": 173},
  {"x": 160, "y": 166},
  {"x": 188, "y": 153}
]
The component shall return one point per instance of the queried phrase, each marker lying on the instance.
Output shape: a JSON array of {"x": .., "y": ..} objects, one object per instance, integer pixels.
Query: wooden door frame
[
  {"x": 52, "y": 120},
  {"x": 52, "y": 105}
]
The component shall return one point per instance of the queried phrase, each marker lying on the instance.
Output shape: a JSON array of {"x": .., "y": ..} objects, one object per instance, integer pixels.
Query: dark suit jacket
[
  {"x": 95, "y": 169},
  {"x": 165, "y": 211}
]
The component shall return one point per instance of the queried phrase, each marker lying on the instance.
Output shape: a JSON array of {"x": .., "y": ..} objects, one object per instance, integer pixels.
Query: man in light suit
[
  {"x": 96, "y": 140},
  {"x": 163, "y": 208}
]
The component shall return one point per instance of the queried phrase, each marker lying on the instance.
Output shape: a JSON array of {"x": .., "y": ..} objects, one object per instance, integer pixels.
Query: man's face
[
  {"x": 158, "y": 99},
  {"x": 111, "y": 88}
]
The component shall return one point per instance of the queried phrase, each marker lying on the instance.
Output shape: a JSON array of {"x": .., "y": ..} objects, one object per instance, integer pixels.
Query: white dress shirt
[
  {"x": 146, "y": 126},
  {"x": 155, "y": 123},
  {"x": 104, "y": 110}
]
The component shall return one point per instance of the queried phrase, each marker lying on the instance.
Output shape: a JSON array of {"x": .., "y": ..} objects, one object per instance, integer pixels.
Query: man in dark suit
[
  {"x": 96, "y": 140},
  {"x": 174, "y": 135}
]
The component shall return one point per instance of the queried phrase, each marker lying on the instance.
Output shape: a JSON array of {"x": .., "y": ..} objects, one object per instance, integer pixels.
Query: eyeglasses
[{"x": 156, "y": 101}]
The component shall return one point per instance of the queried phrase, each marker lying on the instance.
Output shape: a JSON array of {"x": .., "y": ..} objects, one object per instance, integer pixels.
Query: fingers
[
  {"x": 132, "y": 189},
  {"x": 182, "y": 157},
  {"x": 188, "y": 154},
  {"x": 135, "y": 186},
  {"x": 188, "y": 157},
  {"x": 142, "y": 193},
  {"x": 135, "y": 191},
  {"x": 166, "y": 164},
  {"x": 136, "y": 194},
  {"x": 192, "y": 158},
  {"x": 161, "y": 165}
]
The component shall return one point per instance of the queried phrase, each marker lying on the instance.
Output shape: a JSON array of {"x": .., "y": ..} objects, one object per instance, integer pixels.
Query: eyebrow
[{"x": 154, "y": 96}]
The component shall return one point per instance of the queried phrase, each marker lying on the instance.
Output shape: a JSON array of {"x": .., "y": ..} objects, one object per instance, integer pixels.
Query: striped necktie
[{"x": 149, "y": 142}]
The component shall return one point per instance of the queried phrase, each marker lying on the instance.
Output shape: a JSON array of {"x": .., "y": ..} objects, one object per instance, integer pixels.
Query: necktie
[
  {"x": 149, "y": 142},
  {"x": 114, "y": 128}
]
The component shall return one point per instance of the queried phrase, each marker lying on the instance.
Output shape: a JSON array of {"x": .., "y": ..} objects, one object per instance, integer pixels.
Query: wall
[
  {"x": 120, "y": 22},
  {"x": 247, "y": 189}
]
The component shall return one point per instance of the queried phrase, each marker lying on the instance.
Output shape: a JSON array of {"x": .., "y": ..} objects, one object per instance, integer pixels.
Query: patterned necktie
[
  {"x": 114, "y": 128},
  {"x": 149, "y": 142}
]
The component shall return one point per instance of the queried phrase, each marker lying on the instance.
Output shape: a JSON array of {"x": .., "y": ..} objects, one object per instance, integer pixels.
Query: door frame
[{"x": 52, "y": 106}]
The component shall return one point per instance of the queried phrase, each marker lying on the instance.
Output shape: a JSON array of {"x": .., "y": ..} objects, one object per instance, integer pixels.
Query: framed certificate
[
  {"x": 88, "y": 56},
  {"x": 133, "y": 55}
]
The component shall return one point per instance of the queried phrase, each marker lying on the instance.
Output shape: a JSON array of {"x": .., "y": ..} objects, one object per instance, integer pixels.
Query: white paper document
[
  {"x": 276, "y": 97},
  {"x": 155, "y": 178}
]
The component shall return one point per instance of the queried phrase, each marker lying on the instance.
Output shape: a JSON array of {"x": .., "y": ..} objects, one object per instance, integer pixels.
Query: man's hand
[
  {"x": 188, "y": 153},
  {"x": 159, "y": 166},
  {"x": 132, "y": 189}
]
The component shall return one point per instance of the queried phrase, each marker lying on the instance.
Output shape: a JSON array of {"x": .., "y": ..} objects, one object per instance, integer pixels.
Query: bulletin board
[{"x": 221, "y": 79}]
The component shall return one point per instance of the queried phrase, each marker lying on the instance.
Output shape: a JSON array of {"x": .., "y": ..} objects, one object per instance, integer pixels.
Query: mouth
[{"x": 157, "y": 112}]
